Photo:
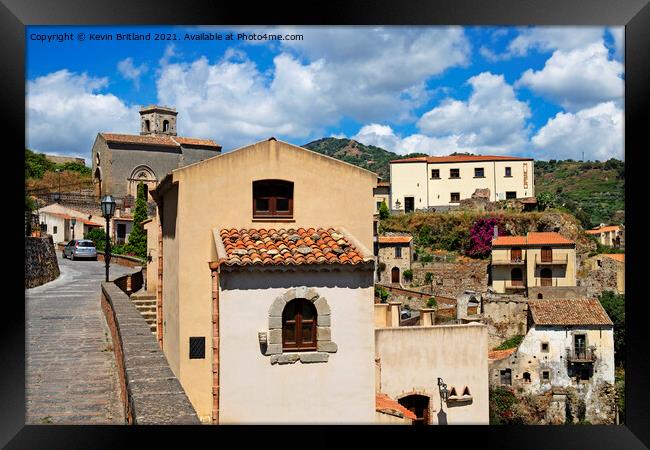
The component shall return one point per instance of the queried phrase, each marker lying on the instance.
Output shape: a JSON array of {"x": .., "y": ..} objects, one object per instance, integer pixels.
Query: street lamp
[
  {"x": 73, "y": 221},
  {"x": 108, "y": 209},
  {"x": 442, "y": 388},
  {"x": 58, "y": 194}
]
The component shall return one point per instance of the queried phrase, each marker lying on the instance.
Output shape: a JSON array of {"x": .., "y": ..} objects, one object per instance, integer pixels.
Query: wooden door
[
  {"x": 394, "y": 275},
  {"x": 547, "y": 277}
]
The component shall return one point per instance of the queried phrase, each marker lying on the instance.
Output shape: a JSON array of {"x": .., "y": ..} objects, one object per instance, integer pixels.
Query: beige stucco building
[
  {"x": 395, "y": 251},
  {"x": 57, "y": 220},
  {"x": 544, "y": 259},
  {"x": 443, "y": 181},
  {"x": 410, "y": 360},
  {"x": 610, "y": 235},
  {"x": 381, "y": 194},
  {"x": 249, "y": 249}
]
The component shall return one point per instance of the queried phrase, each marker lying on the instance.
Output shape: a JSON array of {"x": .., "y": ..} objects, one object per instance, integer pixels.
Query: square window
[
  {"x": 435, "y": 174},
  {"x": 544, "y": 346},
  {"x": 511, "y": 195},
  {"x": 479, "y": 172},
  {"x": 454, "y": 173},
  {"x": 272, "y": 198},
  {"x": 546, "y": 375},
  {"x": 455, "y": 197},
  {"x": 197, "y": 347}
]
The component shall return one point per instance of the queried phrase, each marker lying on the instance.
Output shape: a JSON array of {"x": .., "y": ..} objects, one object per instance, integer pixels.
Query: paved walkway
[{"x": 70, "y": 369}]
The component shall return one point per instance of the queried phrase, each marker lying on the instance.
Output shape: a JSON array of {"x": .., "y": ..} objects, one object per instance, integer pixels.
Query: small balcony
[
  {"x": 509, "y": 261},
  {"x": 581, "y": 355},
  {"x": 515, "y": 286},
  {"x": 555, "y": 261}
]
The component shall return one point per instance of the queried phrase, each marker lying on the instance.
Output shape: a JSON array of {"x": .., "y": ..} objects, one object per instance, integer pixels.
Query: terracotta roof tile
[
  {"x": 620, "y": 257},
  {"x": 533, "y": 238},
  {"x": 288, "y": 247},
  {"x": 459, "y": 158},
  {"x": 604, "y": 229},
  {"x": 383, "y": 403},
  {"x": 162, "y": 140},
  {"x": 579, "y": 311},
  {"x": 394, "y": 239}
]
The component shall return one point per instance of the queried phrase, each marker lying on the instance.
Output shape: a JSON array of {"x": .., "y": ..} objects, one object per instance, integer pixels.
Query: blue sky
[{"x": 546, "y": 92}]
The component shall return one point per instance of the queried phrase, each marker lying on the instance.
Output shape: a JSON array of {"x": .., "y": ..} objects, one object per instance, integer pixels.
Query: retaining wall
[
  {"x": 40, "y": 261},
  {"x": 150, "y": 392}
]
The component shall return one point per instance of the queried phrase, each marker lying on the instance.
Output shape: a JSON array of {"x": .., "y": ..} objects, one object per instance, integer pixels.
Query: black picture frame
[{"x": 633, "y": 14}]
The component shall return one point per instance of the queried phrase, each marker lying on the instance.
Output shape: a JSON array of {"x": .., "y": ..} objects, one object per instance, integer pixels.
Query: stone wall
[
  {"x": 41, "y": 265},
  {"x": 557, "y": 292},
  {"x": 505, "y": 318},
  {"x": 150, "y": 392},
  {"x": 600, "y": 273},
  {"x": 453, "y": 279}
]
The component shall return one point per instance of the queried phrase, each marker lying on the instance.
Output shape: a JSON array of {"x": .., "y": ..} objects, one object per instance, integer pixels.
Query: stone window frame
[{"x": 324, "y": 343}]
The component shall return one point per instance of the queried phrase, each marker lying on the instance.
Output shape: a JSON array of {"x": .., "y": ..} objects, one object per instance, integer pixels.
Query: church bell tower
[{"x": 156, "y": 120}]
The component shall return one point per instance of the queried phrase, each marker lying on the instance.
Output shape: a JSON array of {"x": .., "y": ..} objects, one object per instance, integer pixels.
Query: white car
[{"x": 80, "y": 248}]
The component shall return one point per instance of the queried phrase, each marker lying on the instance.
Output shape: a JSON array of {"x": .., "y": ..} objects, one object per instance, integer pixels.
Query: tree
[
  {"x": 614, "y": 305},
  {"x": 384, "y": 213},
  {"x": 408, "y": 275},
  {"x": 137, "y": 244},
  {"x": 431, "y": 303},
  {"x": 481, "y": 234},
  {"x": 98, "y": 236},
  {"x": 544, "y": 200}
]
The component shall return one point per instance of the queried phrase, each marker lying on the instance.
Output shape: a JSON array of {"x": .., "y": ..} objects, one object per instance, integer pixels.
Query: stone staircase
[{"x": 146, "y": 304}]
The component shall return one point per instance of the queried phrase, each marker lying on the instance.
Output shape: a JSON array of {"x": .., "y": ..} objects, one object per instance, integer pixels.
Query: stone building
[
  {"x": 569, "y": 344},
  {"x": 121, "y": 161},
  {"x": 539, "y": 259},
  {"x": 265, "y": 287},
  {"x": 395, "y": 254},
  {"x": 441, "y": 182},
  {"x": 381, "y": 194}
]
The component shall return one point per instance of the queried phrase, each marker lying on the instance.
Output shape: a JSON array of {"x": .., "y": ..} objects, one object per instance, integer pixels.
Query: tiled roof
[
  {"x": 68, "y": 217},
  {"x": 383, "y": 184},
  {"x": 247, "y": 247},
  {"x": 459, "y": 158},
  {"x": 161, "y": 140},
  {"x": 509, "y": 240},
  {"x": 394, "y": 238},
  {"x": 620, "y": 257},
  {"x": 579, "y": 311},
  {"x": 547, "y": 238},
  {"x": 383, "y": 403},
  {"x": 604, "y": 229},
  {"x": 533, "y": 238},
  {"x": 501, "y": 354}
]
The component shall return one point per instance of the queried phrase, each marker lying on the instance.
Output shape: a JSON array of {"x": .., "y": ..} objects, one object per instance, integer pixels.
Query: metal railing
[
  {"x": 581, "y": 354},
  {"x": 554, "y": 261}
]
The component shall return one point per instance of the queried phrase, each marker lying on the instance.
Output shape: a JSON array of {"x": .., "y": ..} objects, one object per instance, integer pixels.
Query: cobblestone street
[{"x": 71, "y": 376}]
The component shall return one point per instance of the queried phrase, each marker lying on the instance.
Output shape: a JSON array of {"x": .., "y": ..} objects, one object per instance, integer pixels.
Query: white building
[
  {"x": 57, "y": 222},
  {"x": 443, "y": 181}
]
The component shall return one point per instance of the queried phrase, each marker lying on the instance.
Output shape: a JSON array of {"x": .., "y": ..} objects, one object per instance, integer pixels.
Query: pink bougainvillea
[{"x": 480, "y": 236}]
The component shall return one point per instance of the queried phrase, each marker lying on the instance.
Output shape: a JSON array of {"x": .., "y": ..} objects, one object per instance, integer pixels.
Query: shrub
[
  {"x": 381, "y": 293},
  {"x": 614, "y": 305},
  {"x": 384, "y": 213},
  {"x": 545, "y": 200},
  {"x": 480, "y": 241},
  {"x": 98, "y": 236},
  {"x": 431, "y": 303},
  {"x": 510, "y": 343},
  {"x": 408, "y": 275}
]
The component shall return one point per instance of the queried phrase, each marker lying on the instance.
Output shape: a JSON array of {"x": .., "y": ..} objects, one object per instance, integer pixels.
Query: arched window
[
  {"x": 272, "y": 198},
  {"x": 526, "y": 377},
  {"x": 147, "y": 125},
  {"x": 165, "y": 126},
  {"x": 299, "y": 321},
  {"x": 517, "y": 277}
]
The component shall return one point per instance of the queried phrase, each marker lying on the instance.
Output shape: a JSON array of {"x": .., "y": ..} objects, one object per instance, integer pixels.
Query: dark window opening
[
  {"x": 418, "y": 405},
  {"x": 273, "y": 198},
  {"x": 506, "y": 377},
  {"x": 526, "y": 377},
  {"x": 379, "y": 205},
  {"x": 454, "y": 173},
  {"x": 398, "y": 252},
  {"x": 479, "y": 172},
  {"x": 511, "y": 194},
  {"x": 197, "y": 347},
  {"x": 466, "y": 391},
  {"x": 121, "y": 230},
  {"x": 299, "y": 325},
  {"x": 508, "y": 171},
  {"x": 544, "y": 346},
  {"x": 54, "y": 230},
  {"x": 409, "y": 204},
  {"x": 147, "y": 125},
  {"x": 435, "y": 174},
  {"x": 546, "y": 375},
  {"x": 517, "y": 277},
  {"x": 165, "y": 126},
  {"x": 455, "y": 197},
  {"x": 540, "y": 296}
]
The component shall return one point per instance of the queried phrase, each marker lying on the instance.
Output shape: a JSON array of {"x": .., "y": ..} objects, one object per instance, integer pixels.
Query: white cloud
[
  {"x": 367, "y": 74},
  {"x": 578, "y": 78},
  {"x": 492, "y": 120},
  {"x": 554, "y": 38},
  {"x": 65, "y": 111},
  {"x": 130, "y": 71},
  {"x": 598, "y": 131}
]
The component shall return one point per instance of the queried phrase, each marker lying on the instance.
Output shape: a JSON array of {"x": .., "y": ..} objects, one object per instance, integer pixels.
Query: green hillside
[
  {"x": 592, "y": 191},
  {"x": 375, "y": 159}
]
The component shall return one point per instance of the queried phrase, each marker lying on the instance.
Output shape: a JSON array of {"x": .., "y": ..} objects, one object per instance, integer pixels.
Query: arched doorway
[
  {"x": 517, "y": 277},
  {"x": 546, "y": 275},
  {"x": 141, "y": 174},
  {"x": 394, "y": 275},
  {"x": 418, "y": 405}
]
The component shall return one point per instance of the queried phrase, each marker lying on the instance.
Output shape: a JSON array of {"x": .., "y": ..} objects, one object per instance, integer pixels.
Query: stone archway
[{"x": 141, "y": 174}]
